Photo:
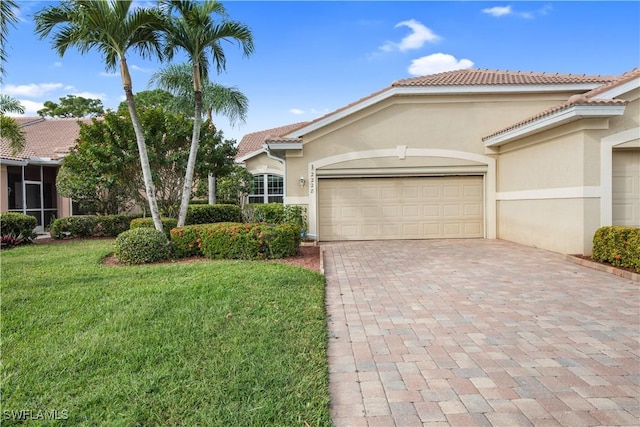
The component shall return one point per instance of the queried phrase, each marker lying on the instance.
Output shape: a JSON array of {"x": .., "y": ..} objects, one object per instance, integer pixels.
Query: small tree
[
  {"x": 235, "y": 186},
  {"x": 72, "y": 106}
]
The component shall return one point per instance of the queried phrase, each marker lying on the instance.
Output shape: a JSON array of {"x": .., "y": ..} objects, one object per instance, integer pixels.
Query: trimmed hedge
[
  {"x": 17, "y": 224},
  {"x": 617, "y": 245},
  {"x": 91, "y": 225},
  {"x": 233, "y": 240},
  {"x": 276, "y": 213},
  {"x": 167, "y": 224},
  {"x": 209, "y": 214},
  {"x": 141, "y": 245}
]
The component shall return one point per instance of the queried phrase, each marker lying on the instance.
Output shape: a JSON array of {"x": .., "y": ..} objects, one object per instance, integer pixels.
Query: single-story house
[
  {"x": 29, "y": 177},
  {"x": 542, "y": 159}
]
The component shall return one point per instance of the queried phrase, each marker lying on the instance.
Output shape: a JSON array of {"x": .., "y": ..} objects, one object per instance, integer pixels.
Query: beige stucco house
[
  {"x": 542, "y": 159},
  {"x": 28, "y": 178}
]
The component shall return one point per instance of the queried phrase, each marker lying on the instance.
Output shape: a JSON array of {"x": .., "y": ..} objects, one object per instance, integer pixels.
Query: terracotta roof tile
[
  {"x": 477, "y": 77},
  {"x": 580, "y": 99},
  {"x": 49, "y": 138},
  {"x": 254, "y": 141}
]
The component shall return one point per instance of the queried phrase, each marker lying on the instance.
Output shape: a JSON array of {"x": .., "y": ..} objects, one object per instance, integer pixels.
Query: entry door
[{"x": 33, "y": 201}]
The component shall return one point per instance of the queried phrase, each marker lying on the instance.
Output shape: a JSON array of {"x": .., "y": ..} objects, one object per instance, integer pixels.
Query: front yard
[{"x": 208, "y": 343}]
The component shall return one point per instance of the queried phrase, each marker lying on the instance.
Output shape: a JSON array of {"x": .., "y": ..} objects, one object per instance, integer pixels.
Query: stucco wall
[
  {"x": 4, "y": 196},
  {"x": 264, "y": 164},
  {"x": 455, "y": 123},
  {"x": 559, "y": 225}
]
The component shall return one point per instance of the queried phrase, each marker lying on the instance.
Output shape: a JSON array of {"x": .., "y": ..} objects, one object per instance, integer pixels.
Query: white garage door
[
  {"x": 626, "y": 188},
  {"x": 400, "y": 208}
]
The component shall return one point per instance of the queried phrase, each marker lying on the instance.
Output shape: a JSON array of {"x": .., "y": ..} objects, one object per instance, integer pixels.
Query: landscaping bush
[
  {"x": 74, "y": 226},
  {"x": 91, "y": 225},
  {"x": 276, "y": 213},
  {"x": 141, "y": 245},
  {"x": 17, "y": 225},
  {"x": 209, "y": 214},
  {"x": 236, "y": 240},
  {"x": 167, "y": 224},
  {"x": 617, "y": 245}
]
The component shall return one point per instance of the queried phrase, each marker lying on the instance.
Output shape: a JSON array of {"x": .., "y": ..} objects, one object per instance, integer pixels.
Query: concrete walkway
[{"x": 478, "y": 332}]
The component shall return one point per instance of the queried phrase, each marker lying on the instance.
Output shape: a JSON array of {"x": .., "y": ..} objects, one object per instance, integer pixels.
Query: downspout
[{"x": 272, "y": 156}]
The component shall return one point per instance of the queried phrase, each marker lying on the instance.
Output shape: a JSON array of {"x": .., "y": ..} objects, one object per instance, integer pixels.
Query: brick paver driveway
[{"x": 478, "y": 332}]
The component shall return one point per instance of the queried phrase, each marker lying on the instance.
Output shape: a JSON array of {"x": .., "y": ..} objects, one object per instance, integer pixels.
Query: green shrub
[
  {"x": 17, "y": 224},
  {"x": 91, "y": 225},
  {"x": 619, "y": 246},
  {"x": 141, "y": 245},
  {"x": 74, "y": 226},
  {"x": 113, "y": 225},
  {"x": 167, "y": 224},
  {"x": 276, "y": 213},
  {"x": 186, "y": 242},
  {"x": 233, "y": 240},
  {"x": 209, "y": 214}
]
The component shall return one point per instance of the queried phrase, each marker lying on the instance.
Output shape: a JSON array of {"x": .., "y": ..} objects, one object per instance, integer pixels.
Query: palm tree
[
  {"x": 196, "y": 31},
  {"x": 112, "y": 28},
  {"x": 228, "y": 101},
  {"x": 8, "y": 17},
  {"x": 10, "y": 130}
]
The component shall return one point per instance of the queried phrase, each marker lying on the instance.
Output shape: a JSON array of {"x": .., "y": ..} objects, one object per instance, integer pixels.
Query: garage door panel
[
  {"x": 400, "y": 208},
  {"x": 626, "y": 188}
]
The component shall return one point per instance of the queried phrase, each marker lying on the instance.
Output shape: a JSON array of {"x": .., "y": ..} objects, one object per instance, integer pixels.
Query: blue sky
[{"x": 314, "y": 57}]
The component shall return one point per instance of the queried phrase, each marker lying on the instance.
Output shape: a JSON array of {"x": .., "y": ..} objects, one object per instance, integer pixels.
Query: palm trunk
[
  {"x": 142, "y": 146},
  {"x": 212, "y": 189},
  {"x": 191, "y": 163}
]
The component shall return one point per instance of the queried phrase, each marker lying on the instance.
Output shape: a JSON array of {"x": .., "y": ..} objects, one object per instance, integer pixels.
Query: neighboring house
[
  {"x": 542, "y": 159},
  {"x": 29, "y": 177}
]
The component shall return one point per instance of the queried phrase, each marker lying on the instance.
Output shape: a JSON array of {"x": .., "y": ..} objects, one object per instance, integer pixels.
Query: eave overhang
[{"x": 567, "y": 115}]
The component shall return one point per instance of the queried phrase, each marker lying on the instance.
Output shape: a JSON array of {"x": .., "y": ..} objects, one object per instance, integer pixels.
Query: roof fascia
[
  {"x": 10, "y": 162},
  {"x": 619, "y": 90},
  {"x": 250, "y": 155},
  {"x": 43, "y": 161},
  {"x": 558, "y": 118},
  {"x": 438, "y": 90},
  {"x": 278, "y": 146}
]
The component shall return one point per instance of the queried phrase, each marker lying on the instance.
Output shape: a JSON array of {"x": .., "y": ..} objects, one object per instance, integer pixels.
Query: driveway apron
[{"x": 478, "y": 333}]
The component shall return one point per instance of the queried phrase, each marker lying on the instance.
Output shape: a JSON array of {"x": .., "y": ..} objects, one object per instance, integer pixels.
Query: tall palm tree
[
  {"x": 112, "y": 27},
  {"x": 10, "y": 130},
  {"x": 192, "y": 27},
  {"x": 216, "y": 98},
  {"x": 8, "y": 16},
  {"x": 228, "y": 101}
]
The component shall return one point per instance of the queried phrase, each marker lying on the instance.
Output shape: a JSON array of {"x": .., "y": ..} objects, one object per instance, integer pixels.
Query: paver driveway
[{"x": 478, "y": 332}]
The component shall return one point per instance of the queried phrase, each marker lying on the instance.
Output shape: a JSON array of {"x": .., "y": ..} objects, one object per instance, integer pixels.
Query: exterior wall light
[{"x": 301, "y": 181}]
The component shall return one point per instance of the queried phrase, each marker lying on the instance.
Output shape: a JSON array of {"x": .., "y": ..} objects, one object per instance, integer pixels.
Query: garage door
[
  {"x": 626, "y": 188},
  {"x": 400, "y": 208}
]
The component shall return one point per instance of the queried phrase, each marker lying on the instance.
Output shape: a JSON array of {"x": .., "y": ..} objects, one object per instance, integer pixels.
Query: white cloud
[
  {"x": 57, "y": 64},
  {"x": 296, "y": 111},
  {"x": 32, "y": 90},
  {"x": 419, "y": 36},
  {"x": 498, "y": 11},
  {"x": 437, "y": 63},
  {"x": 91, "y": 95},
  {"x": 138, "y": 68},
  {"x": 30, "y": 108},
  {"x": 105, "y": 74}
]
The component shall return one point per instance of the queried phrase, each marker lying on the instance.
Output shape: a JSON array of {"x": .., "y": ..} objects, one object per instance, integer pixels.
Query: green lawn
[{"x": 209, "y": 343}]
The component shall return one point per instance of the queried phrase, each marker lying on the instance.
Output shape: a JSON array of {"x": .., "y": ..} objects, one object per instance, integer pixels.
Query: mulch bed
[{"x": 307, "y": 257}]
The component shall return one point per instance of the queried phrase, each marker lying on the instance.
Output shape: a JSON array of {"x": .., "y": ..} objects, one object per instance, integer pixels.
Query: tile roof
[
  {"x": 252, "y": 142},
  {"x": 478, "y": 77},
  {"x": 586, "y": 98},
  {"x": 48, "y": 138}
]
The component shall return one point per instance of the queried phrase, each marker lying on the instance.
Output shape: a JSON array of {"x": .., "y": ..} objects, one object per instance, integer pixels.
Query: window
[{"x": 267, "y": 189}]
